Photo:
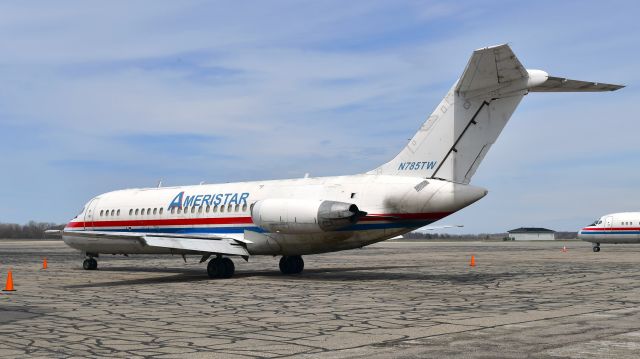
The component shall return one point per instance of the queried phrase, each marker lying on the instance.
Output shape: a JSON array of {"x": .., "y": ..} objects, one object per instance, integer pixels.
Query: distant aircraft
[
  {"x": 614, "y": 228},
  {"x": 428, "y": 180}
]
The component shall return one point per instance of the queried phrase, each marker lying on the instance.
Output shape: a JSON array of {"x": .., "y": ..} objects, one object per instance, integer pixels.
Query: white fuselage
[
  {"x": 394, "y": 205},
  {"x": 613, "y": 228}
]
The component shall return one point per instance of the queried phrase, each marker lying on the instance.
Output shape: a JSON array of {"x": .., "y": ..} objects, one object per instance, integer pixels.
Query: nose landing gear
[{"x": 596, "y": 247}]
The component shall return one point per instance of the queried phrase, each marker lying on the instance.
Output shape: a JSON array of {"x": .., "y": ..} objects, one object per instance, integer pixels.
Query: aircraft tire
[
  {"x": 291, "y": 264},
  {"x": 229, "y": 267},
  {"x": 596, "y": 249},
  {"x": 90, "y": 264},
  {"x": 215, "y": 268}
]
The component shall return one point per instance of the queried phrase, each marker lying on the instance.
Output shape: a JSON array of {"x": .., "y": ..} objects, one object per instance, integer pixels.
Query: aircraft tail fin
[{"x": 453, "y": 141}]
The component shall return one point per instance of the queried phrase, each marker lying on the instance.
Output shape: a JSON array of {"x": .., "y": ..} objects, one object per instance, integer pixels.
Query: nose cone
[{"x": 580, "y": 234}]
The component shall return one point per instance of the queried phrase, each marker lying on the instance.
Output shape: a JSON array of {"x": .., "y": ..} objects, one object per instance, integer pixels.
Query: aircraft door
[
  {"x": 608, "y": 222},
  {"x": 89, "y": 214}
]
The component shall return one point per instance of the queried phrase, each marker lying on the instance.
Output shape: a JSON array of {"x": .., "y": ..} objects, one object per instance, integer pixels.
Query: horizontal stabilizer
[
  {"x": 559, "y": 84},
  {"x": 490, "y": 67}
]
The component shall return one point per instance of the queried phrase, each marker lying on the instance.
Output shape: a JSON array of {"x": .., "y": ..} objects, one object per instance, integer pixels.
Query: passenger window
[
  {"x": 118, "y": 213},
  {"x": 229, "y": 207},
  {"x": 113, "y": 212},
  {"x": 155, "y": 211},
  {"x": 193, "y": 209},
  {"x": 221, "y": 209},
  {"x": 200, "y": 209},
  {"x": 244, "y": 207},
  {"x": 179, "y": 210},
  {"x": 101, "y": 211},
  {"x": 173, "y": 210},
  {"x": 106, "y": 213},
  {"x": 208, "y": 209},
  {"x": 237, "y": 207},
  {"x": 160, "y": 210},
  {"x": 131, "y": 211},
  {"x": 215, "y": 208},
  {"x": 148, "y": 211},
  {"x": 136, "y": 211}
]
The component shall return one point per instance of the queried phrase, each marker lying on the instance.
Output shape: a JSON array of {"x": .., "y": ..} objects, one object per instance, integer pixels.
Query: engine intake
[{"x": 304, "y": 216}]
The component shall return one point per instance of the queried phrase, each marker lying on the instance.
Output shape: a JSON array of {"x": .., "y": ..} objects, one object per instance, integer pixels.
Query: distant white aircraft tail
[{"x": 453, "y": 141}]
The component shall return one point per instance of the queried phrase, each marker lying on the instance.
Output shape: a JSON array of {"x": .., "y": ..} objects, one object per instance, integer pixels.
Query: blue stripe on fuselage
[{"x": 213, "y": 230}]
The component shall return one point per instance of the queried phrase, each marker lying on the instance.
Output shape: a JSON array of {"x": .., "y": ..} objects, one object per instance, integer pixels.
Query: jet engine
[{"x": 304, "y": 216}]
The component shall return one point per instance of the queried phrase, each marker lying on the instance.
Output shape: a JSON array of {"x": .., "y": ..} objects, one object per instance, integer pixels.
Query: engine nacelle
[{"x": 304, "y": 216}]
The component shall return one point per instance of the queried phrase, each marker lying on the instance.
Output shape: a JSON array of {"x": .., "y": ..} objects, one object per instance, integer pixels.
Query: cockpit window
[
  {"x": 81, "y": 212},
  {"x": 596, "y": 222}
]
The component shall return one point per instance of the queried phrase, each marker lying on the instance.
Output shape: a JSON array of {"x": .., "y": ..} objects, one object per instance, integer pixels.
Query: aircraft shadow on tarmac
[{"x": 315, "y": 274}]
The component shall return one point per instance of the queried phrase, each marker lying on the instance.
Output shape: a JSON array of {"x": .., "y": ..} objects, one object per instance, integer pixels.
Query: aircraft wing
[
  {"x": 231, "y": 244},
  {"x": 559, "y": 84}
]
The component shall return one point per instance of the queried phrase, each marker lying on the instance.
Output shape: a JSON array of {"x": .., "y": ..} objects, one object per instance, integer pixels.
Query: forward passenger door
[{"x": 89, "y": 214}]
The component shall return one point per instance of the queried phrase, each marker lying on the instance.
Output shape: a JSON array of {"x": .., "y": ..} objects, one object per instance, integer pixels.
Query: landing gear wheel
[
  {"x": 291, "y": 264},
  {"x": 90, "y": 264},
  {"x": 229, "y": 267},
  {"x": 220, "y": 268},
  {"x": 596, "y": 249}
]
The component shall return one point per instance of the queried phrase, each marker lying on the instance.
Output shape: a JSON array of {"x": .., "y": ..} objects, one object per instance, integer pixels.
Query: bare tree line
[
  {"x": 476, "y": 237},
  {"x": 31, "y": 230}
]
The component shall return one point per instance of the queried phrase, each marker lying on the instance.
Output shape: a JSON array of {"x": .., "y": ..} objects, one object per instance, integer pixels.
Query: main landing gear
[
  {"x": 90, "y": 264},
  {"x": 291, "y": 264},
  {"x": 221, "y": 267},
  {"x": 596, "y": 247}
]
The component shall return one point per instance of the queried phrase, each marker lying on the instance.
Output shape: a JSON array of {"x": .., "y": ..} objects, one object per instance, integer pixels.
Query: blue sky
[{"x": 106, "y": 95}]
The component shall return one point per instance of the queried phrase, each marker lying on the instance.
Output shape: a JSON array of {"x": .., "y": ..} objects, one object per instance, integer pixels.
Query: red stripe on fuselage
[
  {"x": 612, "y": 229},
  {"x": 391, "y": 217},
  {"x": 405, "y": 216},
  {"x": 165, "y": 222}
]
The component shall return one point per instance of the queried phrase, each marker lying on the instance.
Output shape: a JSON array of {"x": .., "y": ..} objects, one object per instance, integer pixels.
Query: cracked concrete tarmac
[{"x": 402, "y": 300}]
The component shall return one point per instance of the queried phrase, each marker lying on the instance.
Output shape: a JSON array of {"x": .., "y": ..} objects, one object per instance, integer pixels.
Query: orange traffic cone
[
  {"x": 44, "y": 263},
  {"x": 9, "y": 286},
  {"x": 473, "y": 261}
]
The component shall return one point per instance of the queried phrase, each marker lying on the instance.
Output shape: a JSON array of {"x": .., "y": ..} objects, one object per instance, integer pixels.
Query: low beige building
[{"x": 532, "y": 234}]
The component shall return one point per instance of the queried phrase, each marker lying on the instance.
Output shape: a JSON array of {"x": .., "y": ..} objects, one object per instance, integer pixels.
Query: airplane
[
  {"x": 427, "y": 181},
  {"x": 614, "y": 228}
]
